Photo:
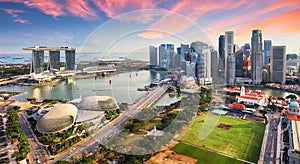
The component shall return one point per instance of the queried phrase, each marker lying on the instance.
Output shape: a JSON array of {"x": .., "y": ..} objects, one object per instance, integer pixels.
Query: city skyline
[{"x": 31, "y": 23}]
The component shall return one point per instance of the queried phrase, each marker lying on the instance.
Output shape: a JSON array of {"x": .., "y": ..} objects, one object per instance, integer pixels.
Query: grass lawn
[
  {"x": 243, "y": 140},
  {"x": 203, "y": 156}
]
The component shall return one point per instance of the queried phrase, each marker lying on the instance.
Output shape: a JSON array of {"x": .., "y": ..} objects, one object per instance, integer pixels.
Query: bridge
[
  {"x": 112, "y": 128},
  {"x": 98, "y": 69}
]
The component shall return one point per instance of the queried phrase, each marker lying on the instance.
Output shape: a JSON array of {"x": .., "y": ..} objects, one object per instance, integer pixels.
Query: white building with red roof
[
  {"x": 293, "y": 125},
  {"x": 249, "y": 97}
]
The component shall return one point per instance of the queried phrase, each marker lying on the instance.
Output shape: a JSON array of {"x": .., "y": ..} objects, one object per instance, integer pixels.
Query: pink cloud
[
  {"x": 113, "y": 8},
  {"x": 81, "y": 8},
  {"x": 49, "y": 7},
  {"x": 192, "y": 11},
  {"x": 23, "y": 21},
  {"x": 14, "y": 1},
  {"x": 15, "y": 14},
  {"x": 286, "y": 22}
]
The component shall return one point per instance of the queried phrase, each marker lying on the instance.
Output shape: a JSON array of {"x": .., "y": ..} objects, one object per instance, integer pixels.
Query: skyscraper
[
  {"x": 198, "y": 46},
  {"x": 207, "y": 65},
  {"x": 229, "y": 57},
  {"x": 267, "y": 49},
  {"x": 164, "y": 55},
  {"x": 278, "y": 64},
  {"x": 246, "y": 48},
  {"x": 37, "y": 61},
  {"x": 222, "y": 49},
  {"x": 70, "y": 60},
  {"x": 239, "y": 60},
  {"x": 291, "y": 57},
  {"x": 153, "y": 56},
  {"x": 54, "y": 60},
  {"x": 256, "y": 56},
  {"x": 214, "y": 66},
  {"x": 184, "y": 49}
]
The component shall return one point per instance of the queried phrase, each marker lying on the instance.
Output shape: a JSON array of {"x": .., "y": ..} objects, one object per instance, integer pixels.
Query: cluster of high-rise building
[
  {"x": 252, "y": 63},
  {"x": 196, "y": 60},
  {"x": 37, "y": 60},
  {"x": 256, "y": 62}
]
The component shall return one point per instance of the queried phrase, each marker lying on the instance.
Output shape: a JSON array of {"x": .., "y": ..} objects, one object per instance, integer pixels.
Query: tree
[
  {"x": 291, "y": 96},
  {"x": 16, "y": 108}
]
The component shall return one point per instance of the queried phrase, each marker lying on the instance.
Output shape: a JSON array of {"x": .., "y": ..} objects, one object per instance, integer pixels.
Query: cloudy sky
[{"x": 121, "y": 23}]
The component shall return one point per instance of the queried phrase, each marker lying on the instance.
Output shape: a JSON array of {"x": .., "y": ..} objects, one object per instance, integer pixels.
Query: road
[
  {"x": 112, "y": 128},
  {"x": 271, "y": 147},
  {"x": 37, "y": 152}
]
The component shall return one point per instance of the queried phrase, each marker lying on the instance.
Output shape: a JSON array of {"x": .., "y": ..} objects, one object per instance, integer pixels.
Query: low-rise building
[
  {"x": 293, "y": 124},
  {"x": 249, "y": 97}
]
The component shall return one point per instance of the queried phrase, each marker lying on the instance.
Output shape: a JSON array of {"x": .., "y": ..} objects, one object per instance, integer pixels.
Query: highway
[
  {"x": 37, "y": 153},
  {"x": 112, "y": 128},
  {"x": 271, "y": 147}
]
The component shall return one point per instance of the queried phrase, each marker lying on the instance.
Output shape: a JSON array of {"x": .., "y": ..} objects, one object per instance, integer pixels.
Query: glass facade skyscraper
[
  {"x": 278, "y": 64},
  {"x": 229, "y": 57},
  {"x": 221, "y": 49},
  {"x": 267, "y": 49},
  {"x": 37, "y": 63},
  {"x": 256, "y": 57},
  {"x": 70, "y": 60},
  {"x": 164, "y": 55},
  {"x": 153, "y": 56},
  {"x": 54, "y": 60}
]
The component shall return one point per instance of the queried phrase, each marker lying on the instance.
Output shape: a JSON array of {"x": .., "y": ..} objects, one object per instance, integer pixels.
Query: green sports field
[
  {"x": 243, "y": 140},
  {"x": 203, "y": 156}
]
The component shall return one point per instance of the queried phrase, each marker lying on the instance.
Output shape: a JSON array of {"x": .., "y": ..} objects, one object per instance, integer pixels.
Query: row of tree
[{"x": 13, "y": 131}]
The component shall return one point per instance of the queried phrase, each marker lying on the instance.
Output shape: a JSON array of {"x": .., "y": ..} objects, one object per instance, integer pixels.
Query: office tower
[
  {"x": 267, "y": 49},
  {"x": 183, "y": 66},
  {"x": 177, "y": 60},
  {"x": 37, "y": 61},
  {"x": 246, "y": 48},
  {"x": 178, "y": 50},
  {"x": 256, "y": 56},
  {"x": 153, "y": 56},
  {"x": 184, "y": 49},
  {"x": 198, "y": 46},
  {"x": 278, "y": 64},
  {"x": 207, "y": 65},
  {"x": 172, "y": 60},
  {"x": 247, "y": 65},
  {"x": 239, "y": 60},
  {"x": 265, "y": 76},
  {"x": 291, "y": 56},
  {"x": 54, "y": 60},
  {"x": 164, "y": 55},
  {"x": 229, "y": 57},
  {"x": 70, "y": 59},
  {"x": 222, "y": 49},
  {"x": 214, "y": 66},
  {"x": 200, "y": 69}
]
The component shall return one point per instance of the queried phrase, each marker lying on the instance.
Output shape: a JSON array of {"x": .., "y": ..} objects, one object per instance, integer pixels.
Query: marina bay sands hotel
[{"x": 37, "y": 60}]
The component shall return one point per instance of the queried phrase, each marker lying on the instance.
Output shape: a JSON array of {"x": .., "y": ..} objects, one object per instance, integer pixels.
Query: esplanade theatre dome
[
  {"x": 98, "y": 103},
  {"x": 59, "y": 118}
]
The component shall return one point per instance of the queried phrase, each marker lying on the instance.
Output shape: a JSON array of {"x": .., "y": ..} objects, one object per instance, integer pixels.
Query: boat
[{"x": 18, "y": 57}]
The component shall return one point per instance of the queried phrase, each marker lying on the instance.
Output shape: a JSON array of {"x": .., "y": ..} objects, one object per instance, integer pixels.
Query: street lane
[
  {"x": 37, "y": 151},
  {"x": 112, "y": 128}
]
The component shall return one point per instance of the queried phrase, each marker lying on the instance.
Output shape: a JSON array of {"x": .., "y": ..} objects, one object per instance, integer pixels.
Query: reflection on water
[
  {"x": 123, "y": 88},
  {"x": 274, "y": 92}
]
